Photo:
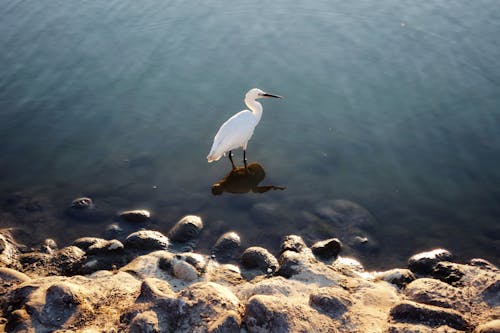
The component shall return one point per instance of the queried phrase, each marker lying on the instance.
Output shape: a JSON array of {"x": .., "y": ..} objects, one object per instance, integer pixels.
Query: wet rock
[
  {"x": 145, "y": 322},
  {"x": 334, "y": 302},
  {"x": 424, "y": 262},
  {"x": 290, "y": 264},
  {"x": 147, "y": 240},
  {"x": 489, "y": 327},
  {"x": 49, "y": 246},
  {"x": 397, "y": 276},
  {"x": 293, "y": 243},
  {"x": 327, "y": 249},
  {"x": 435, "y": 292},
  {"x": 447, "y": 272},
  {"x": 342, "y": 213},
  {"x": 226, "y": 246},
  {"x": 135, "y": 216},
  {"x": 82, "y": 203},
  {"x": 227, "y": 323},
  {"x": 410, "y": 312},
  {"x": 478, "y": 262},
  {"x": 11, "y": 275},
  {"x": 113, "y": 230},
  {"x": 187, "y": 229},
  {"x": 69, "y": 260},
  {"x": 105, "y": 247},
  {"x": 491, "y": 294},
  {"x": 265, "y": 313},
  {"x": 348, "y": 266},
  {"x": 85, "y": 242},
  {"x": 258, "y": 257}
]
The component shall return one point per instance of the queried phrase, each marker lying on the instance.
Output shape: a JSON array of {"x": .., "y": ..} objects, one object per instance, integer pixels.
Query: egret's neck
[{"x": 255, "y": 107}]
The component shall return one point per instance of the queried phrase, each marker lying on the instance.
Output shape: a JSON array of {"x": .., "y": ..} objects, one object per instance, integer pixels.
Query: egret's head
[{"x": 256, "y": 93}]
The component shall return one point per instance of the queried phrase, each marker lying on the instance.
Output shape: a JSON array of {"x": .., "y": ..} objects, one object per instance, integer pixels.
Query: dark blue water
[{"x": 393, "y": 105}]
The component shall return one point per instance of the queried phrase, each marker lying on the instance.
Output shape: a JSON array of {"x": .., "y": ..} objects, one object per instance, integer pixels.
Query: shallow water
[{"x": 394, "y": 105}]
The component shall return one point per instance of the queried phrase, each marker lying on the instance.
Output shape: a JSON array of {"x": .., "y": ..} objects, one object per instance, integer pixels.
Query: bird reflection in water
[{"x": 241, "y": 180}]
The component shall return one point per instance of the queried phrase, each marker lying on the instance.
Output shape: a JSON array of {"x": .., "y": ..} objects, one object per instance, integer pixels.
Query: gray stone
[
  {"x": 491, "y": 294},
  {"x": 327, "y": 249},
  {"x": 424, "y": 262},
  {"x": 410, "y": 312},
  {"x": 147, "y": 240},
  {"x": 447, "y": 272},
  {"x": 135, "y": 216},
  {"x": 259, "y": 257},
  {"x": 69, "y": 260},
  {"x": 82, "y": 203},
  {"x": 187, "y": 229},
  {"x": 330, "y": 300},
  {"x": 184, "y": 271}
]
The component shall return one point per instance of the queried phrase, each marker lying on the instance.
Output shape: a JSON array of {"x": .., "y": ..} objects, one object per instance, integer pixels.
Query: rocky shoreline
[{"x": 150, "y": 282}]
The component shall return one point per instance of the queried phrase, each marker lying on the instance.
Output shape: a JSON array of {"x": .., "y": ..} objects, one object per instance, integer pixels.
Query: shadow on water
[{"x": 241, "y": 180}]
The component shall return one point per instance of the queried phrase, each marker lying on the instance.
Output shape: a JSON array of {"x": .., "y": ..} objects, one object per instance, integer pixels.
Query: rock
[
  {"x": 8, "y": 248},
  {"x": 293, "y": 243},
  {"x": 433, "y": 316},
  {"x": 187, "y": 229},
  {"x": 82, "y": 203},
  {"x": 491, "y": 294},
  {"x": 85, "y": 242},
  {"x": 259, "y": 257},
  {"x": 226, "y": 246},
  {"x": 290, "y": 263},
  {"x": 147, "y": 240},
  {"x": 332, "y": 301},
  {"x": 105, "y": 247},
  {"x": 397, "y": 276},
  {"x": 435, "y": 292},
  {"x": 113, "y": 230},
  {"x": 145, "y": 322},
  {"x": 410, "y": 328},
  {"x": 184, "y": 271},
  {"x": 265, "y": 313},
  {"x": 227, "y": 323},
  {"x": 11, "y": 275},
  {"x": 153, "y": 289},
  {"x": 424, "y": 262},
  {"x": 69, "y": 260},
  {"x": 135, "y": 216},
  {"x": 49, "y": 246},
  {"x": 447, "y": 272},
  {"x": 345, "y": 213},
  {"x": 478, "y": 262},
  {"x": 489, "y": 327},
  {"x": 348, "y": 266},
  {"x": 327, "y": 249}
]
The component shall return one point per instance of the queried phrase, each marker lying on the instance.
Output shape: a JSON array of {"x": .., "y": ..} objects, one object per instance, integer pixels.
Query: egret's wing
[{"x": 234, "y": 133}]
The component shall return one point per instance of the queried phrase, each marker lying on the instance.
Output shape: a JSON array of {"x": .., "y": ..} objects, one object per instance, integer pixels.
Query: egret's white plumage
[{"x": 238, "y": 129}]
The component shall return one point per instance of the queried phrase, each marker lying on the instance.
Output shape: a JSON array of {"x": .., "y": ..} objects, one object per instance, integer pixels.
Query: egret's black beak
[{"x": 269, "y": 95}]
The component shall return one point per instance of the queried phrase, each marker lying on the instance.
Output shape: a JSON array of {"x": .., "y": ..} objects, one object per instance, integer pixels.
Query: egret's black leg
[
  {"x": 245, "y": 159},
  {"x": 231, "y": 159}
]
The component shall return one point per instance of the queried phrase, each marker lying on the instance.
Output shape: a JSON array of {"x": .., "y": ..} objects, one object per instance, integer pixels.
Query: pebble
[
  {"x": 184, "y": 271},
  {"x": 135, "y": 216},
  {"x": 327, "y": 249},
  {"x": 147, "y": 240},
  {"x": 397, "y": 276},
  {"x": 186, "y": 229},
  {"x": 290, "y": 264},
  {"x": 259, "y": 257},
  {"x": 49, "y": 246},
  {"x": 82, "y": 203},
  {"x": 424, "y": 262}
]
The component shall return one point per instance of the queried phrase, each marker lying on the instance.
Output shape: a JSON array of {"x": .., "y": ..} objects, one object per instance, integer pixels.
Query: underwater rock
[
  {"x": 259, "y": 257},
  {"x": 332, "y": 301},
  {"x": 135, "y": 216},
  {"x": 292, "y": 243},
  {"x": 424, "y": 262},
  {"x": 226, "y": 246},
  {"x": 186, "y": 229},
  {"x": 82, "y": 203},
  {"x": 147, "y": 240},
  {"x": 433, "y": 316},
  {"x": 345, "y": 213},
  {"x": 327, "y": 249},
  {"x": 84, "y": 209},
  {"x": 113, "y": 230},
  {"x": 397, "y": 276}
]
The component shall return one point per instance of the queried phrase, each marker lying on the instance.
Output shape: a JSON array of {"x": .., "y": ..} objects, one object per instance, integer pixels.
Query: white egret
[{"x": 238, "y": 129}]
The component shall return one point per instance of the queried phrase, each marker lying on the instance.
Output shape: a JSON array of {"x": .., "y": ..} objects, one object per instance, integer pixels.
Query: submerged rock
[
  {"x": 135, "y": 216},
  {"x": 187, "y": 229},
  {"x": 82, "y": 203},
  {"x": 343, "y": 213},
  {"x": 147, "y": 240},
  {"x": 424, "y": 262}
]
